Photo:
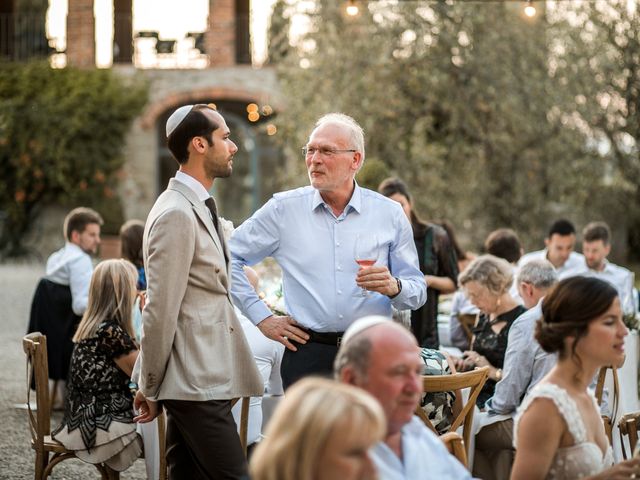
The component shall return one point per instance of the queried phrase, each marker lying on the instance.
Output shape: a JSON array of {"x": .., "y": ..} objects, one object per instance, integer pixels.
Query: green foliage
[
  {"x": 372, "y": 173},
  {"x": 61, "y": 139},
  {"x": 279, "y": 26},
  {"x": 601, "y": 57},
  {"x": 465, "y": 102}
]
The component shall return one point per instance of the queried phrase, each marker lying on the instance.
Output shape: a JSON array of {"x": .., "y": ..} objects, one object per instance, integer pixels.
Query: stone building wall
[{"x": 168, "y": 90}]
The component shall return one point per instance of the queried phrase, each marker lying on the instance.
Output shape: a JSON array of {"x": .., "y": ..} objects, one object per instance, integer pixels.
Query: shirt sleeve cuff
[{"x": 258, "y": 312}]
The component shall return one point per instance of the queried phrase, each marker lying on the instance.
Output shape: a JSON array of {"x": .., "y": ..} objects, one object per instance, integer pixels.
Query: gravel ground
[{"x": 17, "y": 284}]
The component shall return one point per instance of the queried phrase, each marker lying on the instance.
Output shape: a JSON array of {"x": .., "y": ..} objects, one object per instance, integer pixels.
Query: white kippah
[
  {"x": 363, "y": 324},
  {"x": 177, "y": 117}
]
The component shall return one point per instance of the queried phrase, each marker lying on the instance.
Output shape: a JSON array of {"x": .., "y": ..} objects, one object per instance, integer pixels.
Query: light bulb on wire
[
  {"x": 352, "y": 8},
  {"x": 529, "y": 9}
]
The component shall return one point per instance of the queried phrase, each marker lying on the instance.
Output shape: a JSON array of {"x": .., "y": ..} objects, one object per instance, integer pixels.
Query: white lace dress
[{"x": 580, "y": 460}]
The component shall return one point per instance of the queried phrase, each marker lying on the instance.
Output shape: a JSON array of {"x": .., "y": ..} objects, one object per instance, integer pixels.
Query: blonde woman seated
[
  {"x": 486, "y": 281},
  {"x": 322, "y": 430},
  {"x": 558, "y": 430},
  {"x": 98, "y": 416}
]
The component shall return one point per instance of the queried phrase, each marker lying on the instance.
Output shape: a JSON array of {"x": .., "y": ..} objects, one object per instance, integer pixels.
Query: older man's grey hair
[
  {"x": 539, "y": 273},
  {"x": 356, "y": 133},
  {"x": 355, "y": 354}
]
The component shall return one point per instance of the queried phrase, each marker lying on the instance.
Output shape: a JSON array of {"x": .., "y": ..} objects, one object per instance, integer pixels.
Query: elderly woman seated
[{"x": 486, "y": 281}]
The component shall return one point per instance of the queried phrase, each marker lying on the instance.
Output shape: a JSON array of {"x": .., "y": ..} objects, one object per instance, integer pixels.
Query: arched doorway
[{"x": 248, "y": 187}]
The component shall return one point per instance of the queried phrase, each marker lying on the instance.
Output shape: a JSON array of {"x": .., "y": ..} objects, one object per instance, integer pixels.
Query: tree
[
  {"x": 278, "y": 35},
  {"x": 458, "y": 99},
  {"x": 61, "y": 138},
  {"x": 600, "y": 55}
]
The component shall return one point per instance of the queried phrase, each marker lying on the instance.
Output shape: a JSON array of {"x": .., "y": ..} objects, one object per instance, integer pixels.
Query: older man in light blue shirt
[
  {"x": 382, "y": 358},
  {"x": 311, "y": 233}
]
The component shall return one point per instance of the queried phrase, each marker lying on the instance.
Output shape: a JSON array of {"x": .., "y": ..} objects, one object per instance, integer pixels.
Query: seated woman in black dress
[
  {"x": 486, "y": 282},
  {"x": 98, "y": 418}
]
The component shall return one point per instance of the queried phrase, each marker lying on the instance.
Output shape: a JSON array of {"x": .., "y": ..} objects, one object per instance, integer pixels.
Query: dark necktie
[{"x": 211, "y": 205}]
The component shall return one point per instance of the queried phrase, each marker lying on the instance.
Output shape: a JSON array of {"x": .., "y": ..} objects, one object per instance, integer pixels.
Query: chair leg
[{"x": 42, "y": 459}]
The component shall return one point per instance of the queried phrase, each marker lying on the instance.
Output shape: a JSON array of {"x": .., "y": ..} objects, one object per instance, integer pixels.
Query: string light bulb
[
  {"x": 352, "y": 8},
  {"x": 529, "y": 9}
]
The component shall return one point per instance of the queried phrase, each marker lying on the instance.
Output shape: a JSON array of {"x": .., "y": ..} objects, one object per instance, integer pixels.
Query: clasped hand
[
  {"x": 470, "y": 360},
  {"x": 147, "y": 409}
]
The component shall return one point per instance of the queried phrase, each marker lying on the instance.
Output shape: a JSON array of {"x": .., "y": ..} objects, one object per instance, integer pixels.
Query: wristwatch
[{"x": 399, "y": 283}]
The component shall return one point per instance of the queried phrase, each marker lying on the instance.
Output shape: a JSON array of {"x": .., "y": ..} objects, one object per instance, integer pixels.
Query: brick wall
[
  {"x": 220, "y": 39},
  {"x": 81, "y": 43}
]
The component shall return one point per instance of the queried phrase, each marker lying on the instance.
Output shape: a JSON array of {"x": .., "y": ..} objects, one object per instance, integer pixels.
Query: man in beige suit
[{"x": 194, "y": 356}]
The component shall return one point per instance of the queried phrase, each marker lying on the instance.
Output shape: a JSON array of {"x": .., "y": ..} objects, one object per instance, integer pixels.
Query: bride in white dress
[{"x": 558, "y": 431}]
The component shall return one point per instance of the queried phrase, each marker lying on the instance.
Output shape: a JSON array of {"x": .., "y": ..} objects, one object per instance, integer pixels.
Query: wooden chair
[
  {"x": 474, "y": 380},
  {"x": 455, "y": 444},
  {"x": 628, "y": 426},
  {"x": 606, "y": 420},
  {"x": 467, "y": 322},
  {"x": 35, "y": 347}
]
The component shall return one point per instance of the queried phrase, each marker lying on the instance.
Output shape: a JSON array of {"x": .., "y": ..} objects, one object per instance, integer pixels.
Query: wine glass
[{"x": 366, "y": 252}]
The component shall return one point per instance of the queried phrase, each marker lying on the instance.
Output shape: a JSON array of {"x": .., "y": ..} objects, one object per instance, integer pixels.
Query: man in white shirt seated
[
  {"x": 525, "y": 363},
  {"x": 382, "y": 358},
  {"x": 559, "y": 243},
  {"x": 596, "y": 246},
  {"x": 62, "y": 294},
  {"x": 268, "y": 356}
]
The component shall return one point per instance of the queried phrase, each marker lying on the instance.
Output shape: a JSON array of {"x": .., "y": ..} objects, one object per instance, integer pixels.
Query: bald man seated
[{"x": 383, "y": 358}]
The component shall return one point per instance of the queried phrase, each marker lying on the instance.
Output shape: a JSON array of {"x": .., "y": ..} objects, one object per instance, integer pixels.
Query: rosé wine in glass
[{"x": 366, "y": 252}]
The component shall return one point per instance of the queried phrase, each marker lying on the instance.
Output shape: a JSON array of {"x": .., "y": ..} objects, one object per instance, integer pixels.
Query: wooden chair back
[
  {"x": 628, "y": 426},
  {"x": 455, "y": 444},
  {"x": 607, "y": 420},
  {"x": 35, "y": 348},
  {"x": 467, "y": 322},
  {"x": 473, "y": 380}
]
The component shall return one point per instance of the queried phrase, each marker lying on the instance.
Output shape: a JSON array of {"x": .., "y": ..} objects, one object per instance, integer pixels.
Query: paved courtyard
[{"x": 17, "y": 284}]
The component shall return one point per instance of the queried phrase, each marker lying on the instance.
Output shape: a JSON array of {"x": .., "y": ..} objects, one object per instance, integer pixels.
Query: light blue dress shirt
[
  {"x": 622, "y": 279},
  {"x": 525, "y": 364},
  {"x": 315, "y": 250},
  {"x": 424, "y": 457}
]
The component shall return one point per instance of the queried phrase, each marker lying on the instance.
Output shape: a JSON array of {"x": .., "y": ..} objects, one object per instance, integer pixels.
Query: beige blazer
[{"x": 192, "y": 347}]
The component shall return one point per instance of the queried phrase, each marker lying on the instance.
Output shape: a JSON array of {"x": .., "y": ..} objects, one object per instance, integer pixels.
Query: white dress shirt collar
[
  {"x": 193, "y": 184},
  {"x": 355, "y": 202}
]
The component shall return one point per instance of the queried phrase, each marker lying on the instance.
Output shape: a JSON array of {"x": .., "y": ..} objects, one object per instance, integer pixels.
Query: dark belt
[{"x": 326, "y": 338}]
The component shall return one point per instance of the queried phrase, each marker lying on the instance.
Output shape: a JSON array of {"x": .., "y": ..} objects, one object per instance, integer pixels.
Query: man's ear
[
  {"x": 198, "y": 144},
  {"x": 348, "y": 375},
  {"x": 357, "y": 161}
]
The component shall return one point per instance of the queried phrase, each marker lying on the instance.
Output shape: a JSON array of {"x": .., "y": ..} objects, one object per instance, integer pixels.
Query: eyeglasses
[{"x": 323, "y": 151}]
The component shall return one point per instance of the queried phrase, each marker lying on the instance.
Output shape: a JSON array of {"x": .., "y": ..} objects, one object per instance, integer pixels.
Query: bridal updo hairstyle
[{"x": 568, "y": 310}]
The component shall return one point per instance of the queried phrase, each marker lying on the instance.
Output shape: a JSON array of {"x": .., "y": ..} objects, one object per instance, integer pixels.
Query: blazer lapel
[{"x": 200, "y": 209}]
